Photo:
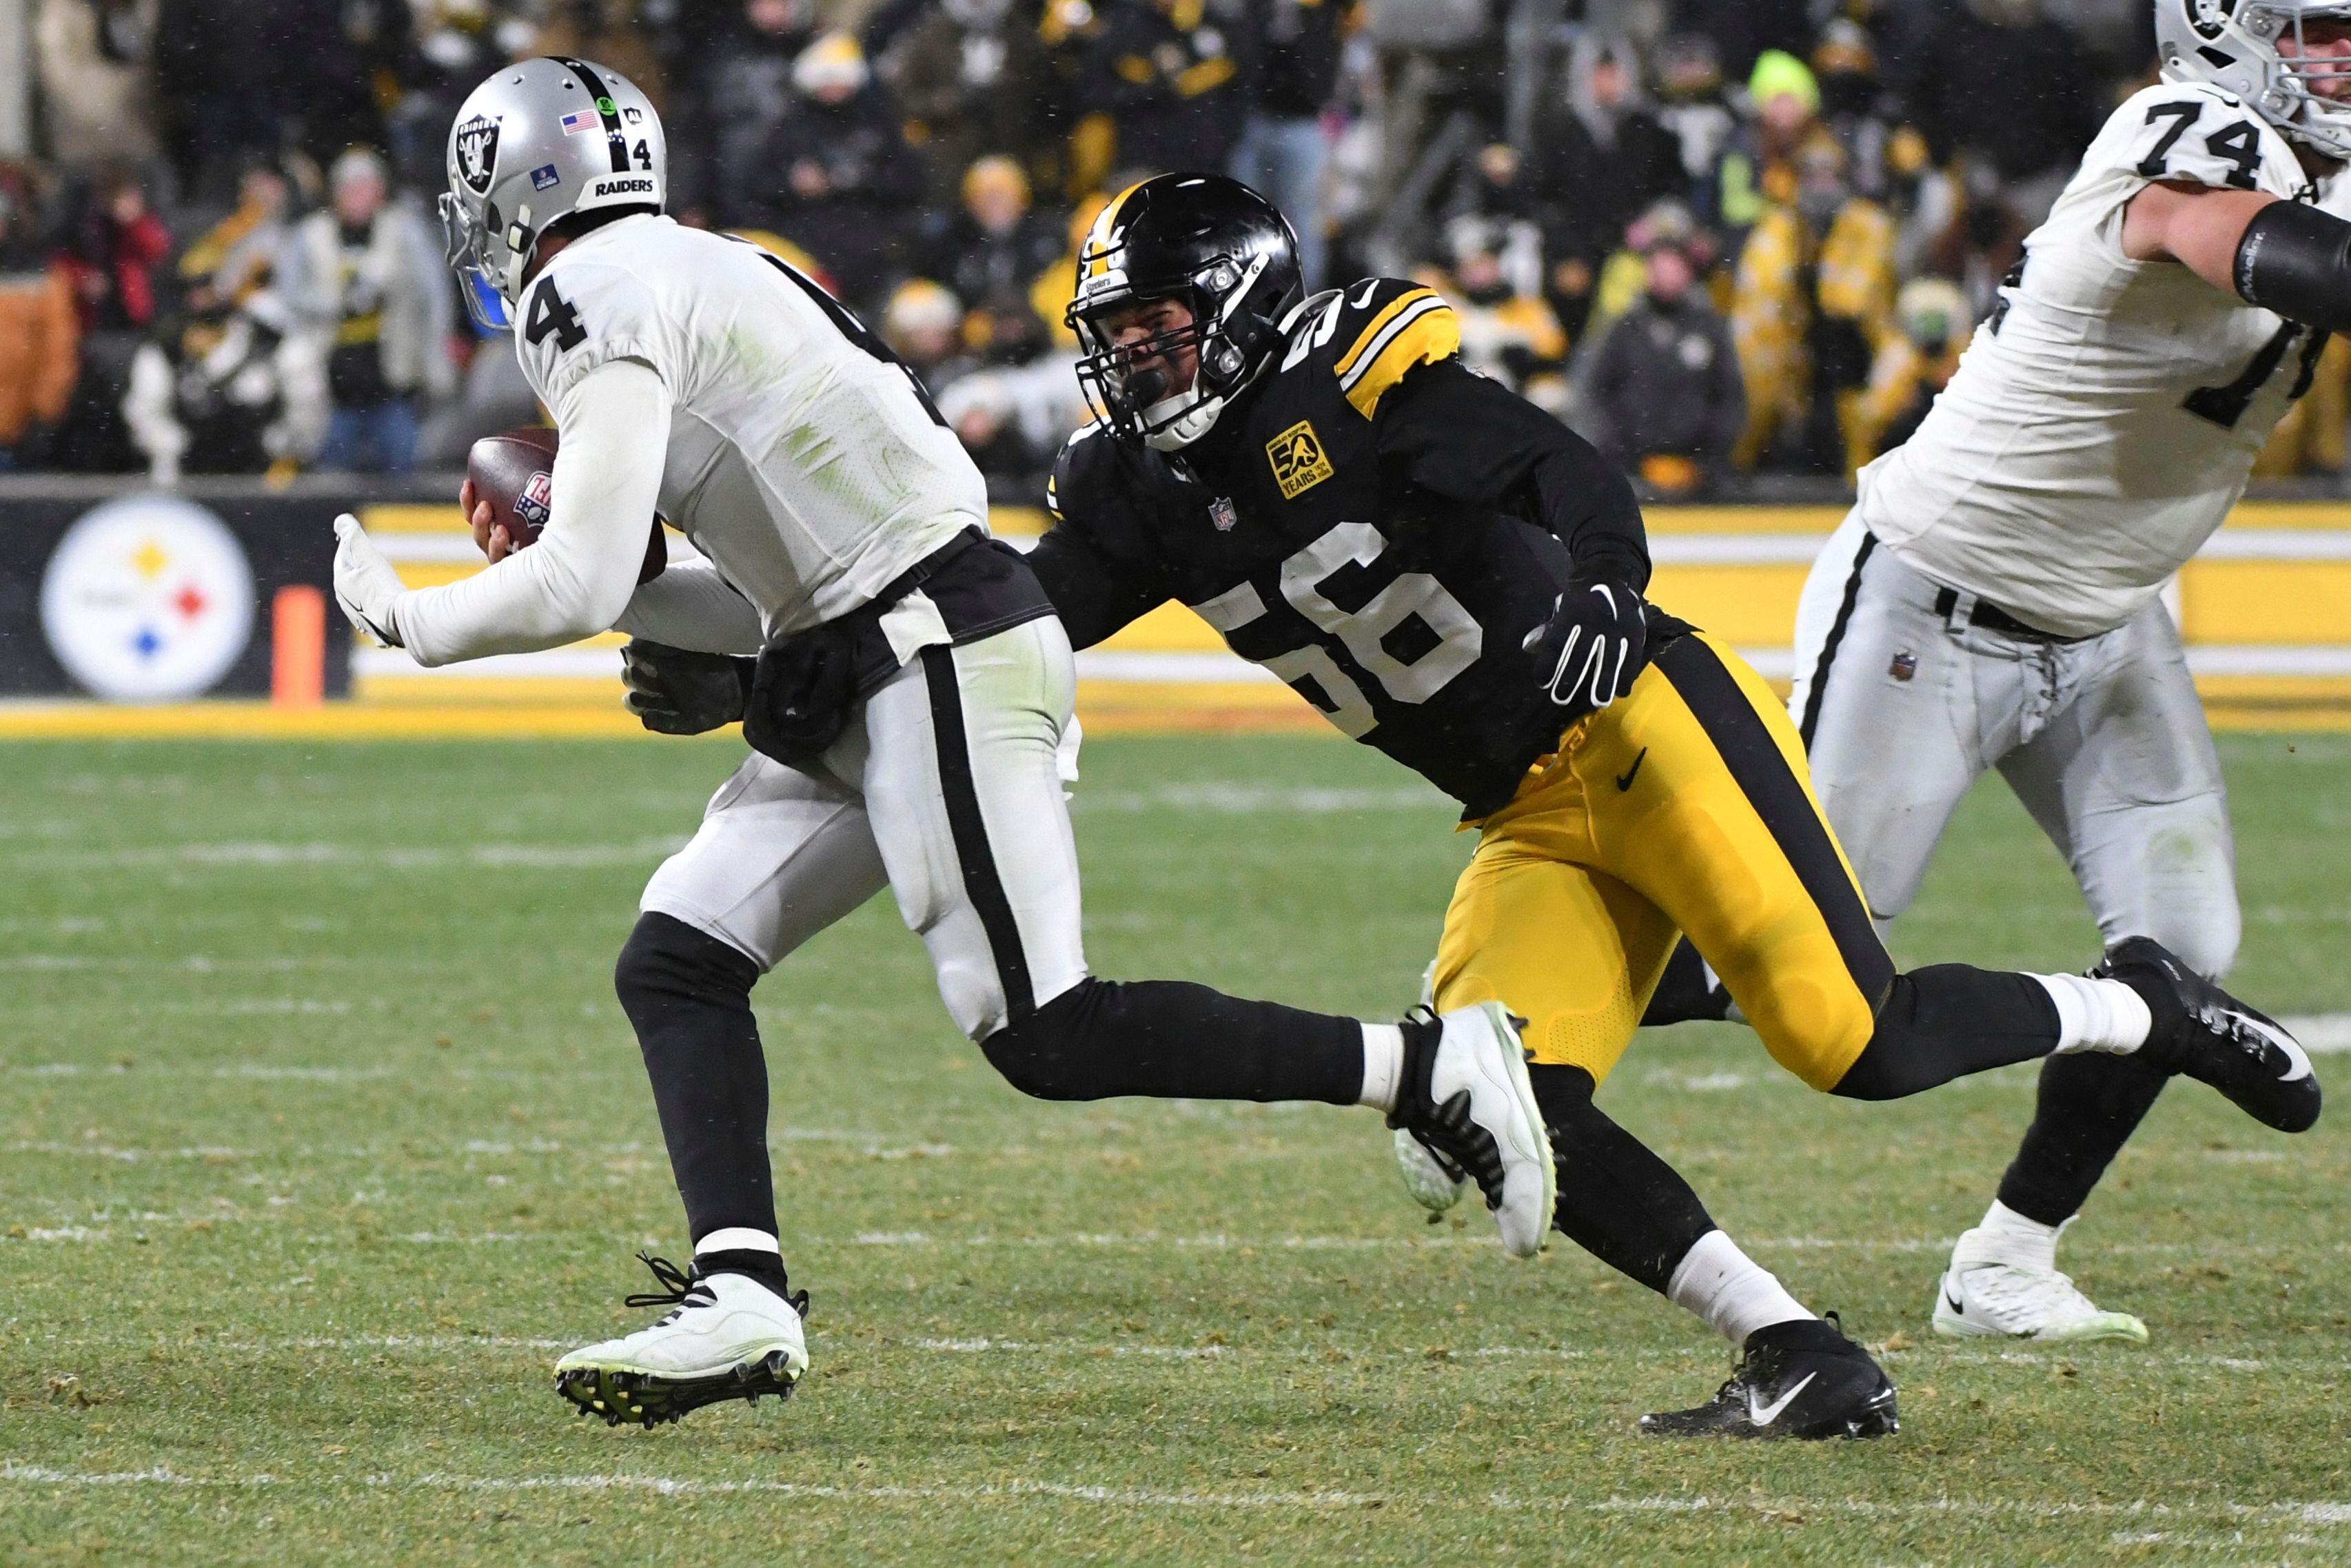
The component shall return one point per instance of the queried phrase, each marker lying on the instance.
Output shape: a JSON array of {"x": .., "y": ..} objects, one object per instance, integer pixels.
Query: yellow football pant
[{"x": 1683, "y": 806}]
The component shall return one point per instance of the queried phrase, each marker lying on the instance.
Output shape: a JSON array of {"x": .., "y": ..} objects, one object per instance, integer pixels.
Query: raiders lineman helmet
[
  {"x": 539, "y": 141},
  {"x": 2233, "y": 45},
  {"x": 1222, "y": 249}
]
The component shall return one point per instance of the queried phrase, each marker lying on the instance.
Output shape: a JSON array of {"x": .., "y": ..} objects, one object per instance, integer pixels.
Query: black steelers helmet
[{"x": 1225, "y": 253}]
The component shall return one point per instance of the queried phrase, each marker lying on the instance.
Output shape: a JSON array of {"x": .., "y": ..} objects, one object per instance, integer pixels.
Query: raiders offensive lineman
[
  {"x": 1448, "y": 574},
  {"x": 1992, "y": 601},
  {"x": 843, "y": 532}
]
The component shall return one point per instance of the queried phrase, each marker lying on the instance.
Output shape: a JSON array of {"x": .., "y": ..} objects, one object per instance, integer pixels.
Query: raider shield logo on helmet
[{"x": 477, "y": 153}]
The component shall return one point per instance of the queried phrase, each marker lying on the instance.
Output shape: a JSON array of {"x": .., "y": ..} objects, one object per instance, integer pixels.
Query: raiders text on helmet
[
  {"x": 2233, "y": 45},
  {"x": 1227, "y": 255},
  {"x": 538, "y": 142}
]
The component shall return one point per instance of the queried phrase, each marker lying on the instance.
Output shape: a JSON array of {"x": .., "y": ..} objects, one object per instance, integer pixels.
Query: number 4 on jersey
[{"x": 550, "y": 312}]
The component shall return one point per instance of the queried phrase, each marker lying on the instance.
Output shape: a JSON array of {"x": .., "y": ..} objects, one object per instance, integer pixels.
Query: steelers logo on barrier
[{"x": 148, "y": 599}]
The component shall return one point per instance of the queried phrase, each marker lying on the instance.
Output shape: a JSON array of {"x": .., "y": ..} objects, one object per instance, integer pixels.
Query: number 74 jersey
[{"x": 2106, "y": 419}]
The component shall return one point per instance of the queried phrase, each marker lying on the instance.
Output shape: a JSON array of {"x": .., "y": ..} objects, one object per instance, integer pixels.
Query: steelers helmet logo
[
  {"x": 148, "y": 599},
  {"x": 477, "y": 153},
  {"x": 1298, "y": 461}
]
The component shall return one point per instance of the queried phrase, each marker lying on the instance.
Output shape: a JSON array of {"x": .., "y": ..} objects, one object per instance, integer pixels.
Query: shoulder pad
[
  {"x": 2197, "y": 133},
  {"x": 1083, "y": 457},
  {"x": 1371, "y": 333}
]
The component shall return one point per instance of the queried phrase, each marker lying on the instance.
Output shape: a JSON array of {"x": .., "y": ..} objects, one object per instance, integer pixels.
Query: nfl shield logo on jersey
[{"x": 1222, "y": 513}]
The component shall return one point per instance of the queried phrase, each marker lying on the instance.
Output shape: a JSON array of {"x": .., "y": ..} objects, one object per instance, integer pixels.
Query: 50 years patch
[{"x": 1298, "y": 461}]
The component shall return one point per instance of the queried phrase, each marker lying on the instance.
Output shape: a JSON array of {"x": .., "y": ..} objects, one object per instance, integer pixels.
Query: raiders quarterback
[
  {"x": 912, "y": 692},
  {"x": 1447, "y": 574},
  {"x": 1993, "y": 598}
]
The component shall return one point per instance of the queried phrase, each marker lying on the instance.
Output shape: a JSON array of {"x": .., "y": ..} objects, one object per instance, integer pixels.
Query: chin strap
[{"x": 1180, "y": 429}]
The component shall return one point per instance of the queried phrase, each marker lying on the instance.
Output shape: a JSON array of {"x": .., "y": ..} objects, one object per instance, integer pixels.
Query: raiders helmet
[
  {"x": 1222, "y": 249},
  {"x": 2233, "y": 45},
  {"x": 538, "y": 141}
]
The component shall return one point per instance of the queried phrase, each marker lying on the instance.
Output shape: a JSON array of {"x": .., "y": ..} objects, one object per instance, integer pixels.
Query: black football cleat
[
  {"x": 1802, "y": 1379},
  {"x": 2203, "y": 1032}
]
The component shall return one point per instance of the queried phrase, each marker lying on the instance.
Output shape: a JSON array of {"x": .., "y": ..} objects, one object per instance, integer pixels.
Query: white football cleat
[
  {"x": 1435, "y": 1182},
  {"x": 1469, "y": 1100},
  {"x": 727, "y": 1337},
  {"x": 1986, "y": 1299}
]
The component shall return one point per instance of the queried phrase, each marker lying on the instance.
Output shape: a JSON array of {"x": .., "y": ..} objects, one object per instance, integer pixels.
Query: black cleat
[
  {"x": 2203, "y": 1032},
  {"x": 1801, "y": 1379}
]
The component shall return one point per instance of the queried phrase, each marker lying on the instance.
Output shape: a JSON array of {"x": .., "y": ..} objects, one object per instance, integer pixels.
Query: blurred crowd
[{"x": 1720, "y": 237}]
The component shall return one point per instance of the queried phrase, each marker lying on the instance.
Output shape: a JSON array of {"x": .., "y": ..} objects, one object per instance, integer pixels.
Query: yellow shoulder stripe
[
  {"x": 1370, "y": 334},
  {"x": 1424, "y": 335}
]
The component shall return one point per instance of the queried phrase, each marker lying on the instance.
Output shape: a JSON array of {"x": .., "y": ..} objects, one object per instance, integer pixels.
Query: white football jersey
[
  {"x": 2105, "y": 420},
  {"x": 810, "y": 470}
]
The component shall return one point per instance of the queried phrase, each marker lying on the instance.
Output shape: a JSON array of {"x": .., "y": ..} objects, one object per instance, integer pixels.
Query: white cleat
[
  {"x": 1474, "y": 1105},
  {"x": 729, "y": 1336},
  {"x": 1985, "y": 1299},
  {"x": 1435, "y": 1182}
]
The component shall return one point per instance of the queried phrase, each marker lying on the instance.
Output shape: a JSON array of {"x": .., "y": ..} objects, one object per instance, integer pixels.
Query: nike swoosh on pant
[{"x": 1764, "y": 1415}]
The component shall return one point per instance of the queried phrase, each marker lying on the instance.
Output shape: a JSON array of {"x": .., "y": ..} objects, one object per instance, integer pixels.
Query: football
[{"x": 515, "y": 472}]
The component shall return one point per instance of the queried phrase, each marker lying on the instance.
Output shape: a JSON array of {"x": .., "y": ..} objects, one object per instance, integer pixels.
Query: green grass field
[{"x": 321, "y": 1135}]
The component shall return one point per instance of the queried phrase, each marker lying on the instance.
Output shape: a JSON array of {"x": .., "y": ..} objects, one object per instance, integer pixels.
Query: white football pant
[
  {"x": 2104, "y": 740},
  {"x": 946, "y": 787}
]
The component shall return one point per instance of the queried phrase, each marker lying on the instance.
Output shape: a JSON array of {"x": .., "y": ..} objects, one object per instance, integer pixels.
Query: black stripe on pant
[
  {"x": 982, "y": 883},
  {"x": 1756, "y": 764},
  {"x": 1820, "y": 683}
]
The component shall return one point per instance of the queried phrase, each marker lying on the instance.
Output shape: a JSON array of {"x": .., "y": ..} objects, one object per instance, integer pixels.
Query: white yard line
[{"x": 2281, "y": 1513}]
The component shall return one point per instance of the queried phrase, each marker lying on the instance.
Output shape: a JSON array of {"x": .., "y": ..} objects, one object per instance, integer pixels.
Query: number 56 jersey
[
  {"x": 1357, "y": 523},
  {"x": 2106, "y": 419}
]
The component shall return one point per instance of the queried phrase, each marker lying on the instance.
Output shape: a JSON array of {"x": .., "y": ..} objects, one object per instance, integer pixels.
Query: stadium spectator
[
  {"x": 1507, "y": 330},
  {"x": 1690, "y": 108},
  {"x": 1914, "y": 365},
  {"x": 834, "y": 173},
  {"x": 1282, "y": 145},
  {"x": 985, "y": 414},
  {"x": 366, "y": 276},
  {"x": 1603, "y": 159},
  {"x": 1165, "y": 73},
  {"x": 233, "y": 78},
  {"x": 992, "y": 255},
  {"x": 971, "y": 77},
  {"x": 227, "y": 389},
  {"x": 1661, "y": 393},
  {"x": 243, "y": 252},
  {"x": 735, "y": 100},
  {"x": 118, "y": 246},
  {"x": 39, "y": 335},
  {"x": 95, "y": 99},
  {"x": 922, "y": 324}
]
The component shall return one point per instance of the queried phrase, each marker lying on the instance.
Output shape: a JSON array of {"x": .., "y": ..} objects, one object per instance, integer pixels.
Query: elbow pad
[{"x": 2296, "y": 260}]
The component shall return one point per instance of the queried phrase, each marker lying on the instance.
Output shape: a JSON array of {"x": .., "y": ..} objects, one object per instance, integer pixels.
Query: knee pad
[
  {"x": 665, "y": 957},
  {"x": 1043, "y": 1055}
]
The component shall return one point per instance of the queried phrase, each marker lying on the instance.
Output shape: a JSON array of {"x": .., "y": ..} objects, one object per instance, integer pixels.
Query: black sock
[
  {"x": 1617, "y": 1200},
  {"x": 689, "y": 996},
  {"x": 1171, "y": 1040},
  {"x": 1685, "y": 992},
  {"x": 1946, "y": 1021},
  {"x": 2089, "y": 1105}
]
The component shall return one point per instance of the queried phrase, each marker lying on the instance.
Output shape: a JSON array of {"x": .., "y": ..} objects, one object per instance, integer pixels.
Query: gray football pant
[{"x": 2103, "y": 741}]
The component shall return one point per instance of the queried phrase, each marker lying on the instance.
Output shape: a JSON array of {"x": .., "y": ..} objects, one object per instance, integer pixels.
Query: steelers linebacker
[
  {"x": 1993, "y": 598},
  {"x": 1449, "y": 575}
]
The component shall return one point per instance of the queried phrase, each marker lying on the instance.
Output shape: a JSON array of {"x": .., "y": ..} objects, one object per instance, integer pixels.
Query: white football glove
[{"x": 366, "y": 586}]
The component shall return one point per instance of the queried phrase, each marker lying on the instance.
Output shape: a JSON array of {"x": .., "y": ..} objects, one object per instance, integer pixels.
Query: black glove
[
  {"x": 1588, "y": 655},
  {"x": 676, "y": 691}
]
